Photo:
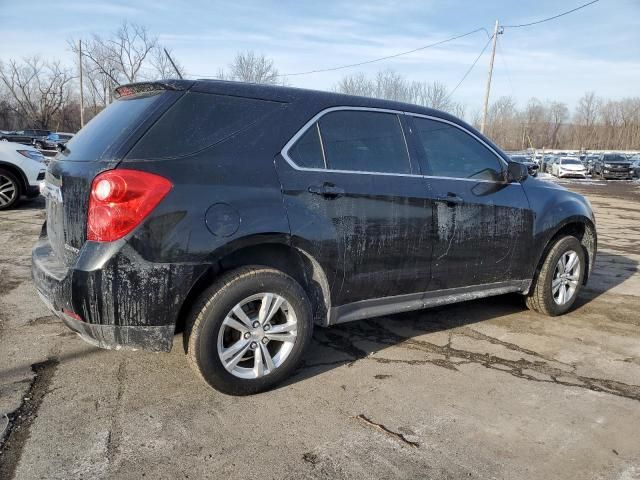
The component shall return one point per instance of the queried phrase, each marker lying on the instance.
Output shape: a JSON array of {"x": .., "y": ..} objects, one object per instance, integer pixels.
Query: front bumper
[
  {"x": 121, "y": 301},
  {"x": 617, "y": 175},
  {"x": 572, "y": 175}
]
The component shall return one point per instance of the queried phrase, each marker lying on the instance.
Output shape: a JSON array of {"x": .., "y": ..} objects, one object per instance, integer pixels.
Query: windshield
[
  {"x": 570, "y": 161},
  {"x": 614, "y": 158}
]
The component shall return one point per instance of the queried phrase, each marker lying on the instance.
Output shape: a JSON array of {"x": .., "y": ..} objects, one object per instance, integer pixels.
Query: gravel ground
[{"x": 484, "y": 389}]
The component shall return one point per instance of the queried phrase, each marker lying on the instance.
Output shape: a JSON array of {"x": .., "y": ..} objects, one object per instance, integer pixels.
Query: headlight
[
  {"x": 607, "y": 165},
  {"x": 37, "y": 156}
]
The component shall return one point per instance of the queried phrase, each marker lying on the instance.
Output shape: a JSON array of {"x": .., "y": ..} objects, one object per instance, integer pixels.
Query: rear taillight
[{"x": 120, "y": 200}]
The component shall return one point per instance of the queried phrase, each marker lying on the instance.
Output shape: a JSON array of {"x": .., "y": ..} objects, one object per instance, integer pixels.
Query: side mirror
[{"x": 516, "y": 172}]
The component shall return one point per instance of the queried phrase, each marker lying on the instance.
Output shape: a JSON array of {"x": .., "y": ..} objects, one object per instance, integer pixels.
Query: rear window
[
  {"x": 107, "y": 130},
  {"x": 197, "y": 121}
]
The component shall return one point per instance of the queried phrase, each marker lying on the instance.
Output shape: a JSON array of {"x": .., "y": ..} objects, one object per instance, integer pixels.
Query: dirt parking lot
[{"x": 484, "y": 389}]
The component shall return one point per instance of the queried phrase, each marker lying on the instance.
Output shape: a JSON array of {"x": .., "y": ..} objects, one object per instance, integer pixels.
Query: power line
[
  {"x": 466, "y": 74},
  {"x": 331, "y": 69},
  {"x": 551, "y": 18},
  {"x": 506, "y": 68}
]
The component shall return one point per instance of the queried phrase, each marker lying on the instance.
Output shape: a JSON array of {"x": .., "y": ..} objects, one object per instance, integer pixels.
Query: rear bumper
[{"x": 120, "y": 300}]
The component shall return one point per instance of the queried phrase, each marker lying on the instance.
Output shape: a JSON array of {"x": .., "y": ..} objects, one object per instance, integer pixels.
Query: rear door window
[
  {"x": 451, "y": 152},
  {"x": 197, "y": 121},
  {"x": 364, "y": 141}
]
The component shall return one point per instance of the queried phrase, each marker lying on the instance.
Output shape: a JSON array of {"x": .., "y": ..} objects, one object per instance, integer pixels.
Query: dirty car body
[{"x": 294, "y": 180}]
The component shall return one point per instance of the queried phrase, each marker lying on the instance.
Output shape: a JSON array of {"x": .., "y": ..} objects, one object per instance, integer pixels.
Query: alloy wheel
[
  {"x": 8, "y": 190},
  {"x": 566, "y": 277},
  {"x": 257, "y": 336}
]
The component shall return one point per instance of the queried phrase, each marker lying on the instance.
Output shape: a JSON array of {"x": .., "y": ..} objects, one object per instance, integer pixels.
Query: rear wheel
[
  {"x": 249, "y": 330},
  {"x": 560, "y": 278},
  {"x": 9, "y": 190}
]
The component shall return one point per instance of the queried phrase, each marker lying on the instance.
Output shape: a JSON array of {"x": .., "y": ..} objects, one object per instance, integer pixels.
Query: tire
[
  {"x": 38, "y": 145},
  {"x": 10, "y": 190},
  {"x": 542, "y": 297},
  {"x": 208, "y": 336}
]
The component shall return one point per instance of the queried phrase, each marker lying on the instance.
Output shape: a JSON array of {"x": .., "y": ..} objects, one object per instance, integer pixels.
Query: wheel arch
[
  {"x": 584, "y": 230},
  {"x": 273, "y": 251},
  {"x": 17, "y": 171}
]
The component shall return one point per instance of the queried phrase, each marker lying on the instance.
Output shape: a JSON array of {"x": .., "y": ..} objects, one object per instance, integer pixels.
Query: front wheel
[
  {"x": 249, "y": 330},
  {"x": 560, "y": 279}
]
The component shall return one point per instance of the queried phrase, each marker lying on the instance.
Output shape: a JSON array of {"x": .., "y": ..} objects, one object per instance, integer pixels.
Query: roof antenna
[{"x": 174, "y": 65}]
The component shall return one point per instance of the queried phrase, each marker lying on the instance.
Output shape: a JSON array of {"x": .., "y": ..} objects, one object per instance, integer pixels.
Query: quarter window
[
  {"x": 307, "y": 151},
  {"x": 364, "y": 141},
  {"x": 451, "y": 152}
]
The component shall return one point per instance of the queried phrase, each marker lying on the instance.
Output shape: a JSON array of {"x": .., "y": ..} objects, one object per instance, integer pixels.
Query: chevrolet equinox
[{"x": 243, "y": 215}]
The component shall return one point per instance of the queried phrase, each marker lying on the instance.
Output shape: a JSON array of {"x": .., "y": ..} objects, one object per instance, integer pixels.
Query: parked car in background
[
  {"x": 342, "y": 208},
  {"x": 568, "y": 167},
  {"x": 613, "y": 166},
  {"x": 548, "y": 164},
  {"x": 51, "y": 141},
  {"x": 588, "y": 163},
  {"x": 532, "y": 166},
  {"x": 635, "y": 165},
  {"x": 21, "y": 169},
  {"x": 26, "y": 137}
]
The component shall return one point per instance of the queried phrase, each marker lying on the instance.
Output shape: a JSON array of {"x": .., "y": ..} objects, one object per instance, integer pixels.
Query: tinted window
[
  {"x": 615, "y": 158},
  {"x": 197, "y": 121},
  {"x": 109, "y": 127},
  {"x": 364, "y": 141},
  {"x": 451, "y": 152},
  {"x": 307, "y": 151},
  {"x": 570, "y": 161}
]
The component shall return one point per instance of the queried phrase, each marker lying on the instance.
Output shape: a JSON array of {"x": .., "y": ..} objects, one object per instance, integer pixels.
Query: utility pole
[
  {"x": 81, "y": 89},
  {"x": 174, "y": 65},
  {"x": 496, "y": 32}
]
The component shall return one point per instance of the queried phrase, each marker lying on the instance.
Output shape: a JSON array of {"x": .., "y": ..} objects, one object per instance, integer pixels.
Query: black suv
[
  {"x": 613, "y": 166},
  {"x": 242, "y": 215}
]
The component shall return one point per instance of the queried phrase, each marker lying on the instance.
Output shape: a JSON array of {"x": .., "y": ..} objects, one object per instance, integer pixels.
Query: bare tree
[
  {"x": 163, "y": 66},
  {"x": 121, "y": 56},
  {"x": 432, "y": 95},
  {"x": 357, "y": 84},
  {"x": 558, "y": 113},
  {"x": 38, "y": 89},
  {"x": 585, "y": 118},
  {"x": 253, "y": 68}
]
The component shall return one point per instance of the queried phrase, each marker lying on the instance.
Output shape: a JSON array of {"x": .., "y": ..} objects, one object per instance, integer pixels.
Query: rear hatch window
[
  {"x": 102, "y": 137},
  {"x": 197, "y": 121}
]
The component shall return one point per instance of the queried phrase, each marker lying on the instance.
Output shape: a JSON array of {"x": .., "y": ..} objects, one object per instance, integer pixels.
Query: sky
[{"x": 594, "y": 49}]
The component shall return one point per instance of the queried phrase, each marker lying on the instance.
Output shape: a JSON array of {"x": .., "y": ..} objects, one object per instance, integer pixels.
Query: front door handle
[
  {"x": 328, "y": 190},
  {"x": 450, "y": 199}
]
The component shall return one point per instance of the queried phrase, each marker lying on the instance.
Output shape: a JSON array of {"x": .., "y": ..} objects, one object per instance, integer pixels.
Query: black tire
[
  {"x": 12, "y": 179},
  {"x": 38, "y": 145},
  {"x": 206, "y": 319},
  {"x": 540, "y": 297}
]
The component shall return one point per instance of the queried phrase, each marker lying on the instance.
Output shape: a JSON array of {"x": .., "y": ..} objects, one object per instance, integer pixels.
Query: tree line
[{"x": 39, "y": 93}]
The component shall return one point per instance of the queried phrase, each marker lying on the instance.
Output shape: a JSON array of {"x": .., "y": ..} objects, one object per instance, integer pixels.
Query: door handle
[
  {"x": 450, "y": 199},
  {"x": 328, "y": 190}
]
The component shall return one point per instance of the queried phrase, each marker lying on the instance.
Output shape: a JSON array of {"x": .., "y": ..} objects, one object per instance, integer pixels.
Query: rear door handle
[
  {"x": 450, "y": 199},
  {"x": 326, "y": 190}
]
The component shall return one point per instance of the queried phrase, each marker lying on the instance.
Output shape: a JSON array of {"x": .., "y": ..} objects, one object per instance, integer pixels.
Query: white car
[
  {"x": 22, "y": 168},
  {"x": 569, "y": 167}
]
